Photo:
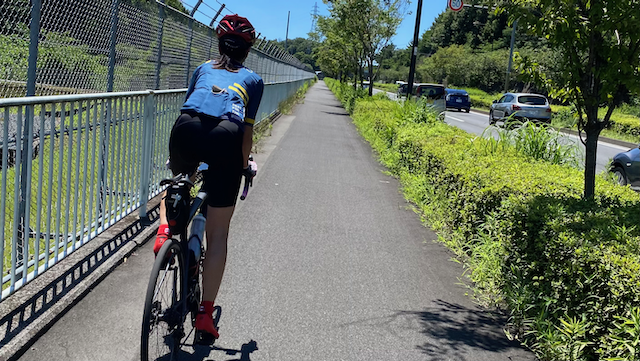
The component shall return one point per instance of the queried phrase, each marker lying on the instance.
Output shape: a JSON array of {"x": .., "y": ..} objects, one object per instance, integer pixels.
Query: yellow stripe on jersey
[
  {"x": 246, "y": 95},
  {"x": 249, "y": 121},
  {"x": 239, "y": 92}
]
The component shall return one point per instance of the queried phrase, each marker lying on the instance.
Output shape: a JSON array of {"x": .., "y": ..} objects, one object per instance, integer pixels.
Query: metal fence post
[
  {"x": 115, "y": 4},
  {"x": 211, "y": 27},
  {"x": 160, "y": 31},
  {"x": 25, "y": 161},
  {"x": 193, "y": 12},
  {"x": 147, "y": 152}
]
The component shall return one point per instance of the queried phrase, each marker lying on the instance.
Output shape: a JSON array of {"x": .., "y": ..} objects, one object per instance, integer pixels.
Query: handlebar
[
  {"x": 245, "y": 191},
  {"x": 249, "y": 182}
]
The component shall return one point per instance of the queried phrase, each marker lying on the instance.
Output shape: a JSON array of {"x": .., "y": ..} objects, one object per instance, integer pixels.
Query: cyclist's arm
[
  {"x": 247, "y": 143},
  {"x": 252, "y": 113}
]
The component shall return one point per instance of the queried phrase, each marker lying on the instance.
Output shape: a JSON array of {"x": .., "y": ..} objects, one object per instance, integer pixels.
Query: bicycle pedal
[{"x": 204, "y": 338}]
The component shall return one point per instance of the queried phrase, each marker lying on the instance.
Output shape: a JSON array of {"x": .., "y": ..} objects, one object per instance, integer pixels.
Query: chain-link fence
[{"x": 51, "y": 47}]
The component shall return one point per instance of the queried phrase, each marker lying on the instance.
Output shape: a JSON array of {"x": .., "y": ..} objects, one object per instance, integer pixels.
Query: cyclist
[{"x": 216, "y": 127}]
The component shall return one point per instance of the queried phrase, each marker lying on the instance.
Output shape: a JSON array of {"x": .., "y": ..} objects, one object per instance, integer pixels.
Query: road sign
[{"x": 455, "y": 5}]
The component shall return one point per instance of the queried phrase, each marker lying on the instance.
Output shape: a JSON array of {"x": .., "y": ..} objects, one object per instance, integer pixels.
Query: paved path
[{"x": 326, "y": 262}]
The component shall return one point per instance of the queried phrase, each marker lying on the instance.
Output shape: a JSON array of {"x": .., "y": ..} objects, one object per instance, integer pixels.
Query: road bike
[{"x": 174, "y": 290}]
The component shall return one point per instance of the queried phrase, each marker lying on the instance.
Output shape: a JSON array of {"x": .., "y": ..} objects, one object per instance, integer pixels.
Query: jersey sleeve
[{"x": 254, "y": 102}]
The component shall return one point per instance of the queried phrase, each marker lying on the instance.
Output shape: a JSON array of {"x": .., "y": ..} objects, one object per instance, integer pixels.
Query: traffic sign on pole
[{"x": 455, "y": 5}]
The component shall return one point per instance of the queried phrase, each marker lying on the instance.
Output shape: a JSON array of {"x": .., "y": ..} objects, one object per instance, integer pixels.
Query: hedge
[{"x": 565, "y": 268}]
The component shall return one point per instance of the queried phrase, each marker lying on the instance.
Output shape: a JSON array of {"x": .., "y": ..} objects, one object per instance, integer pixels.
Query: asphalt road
[
  {"x": 326, "y": 262},
  {"x": 477, "y": 123}
]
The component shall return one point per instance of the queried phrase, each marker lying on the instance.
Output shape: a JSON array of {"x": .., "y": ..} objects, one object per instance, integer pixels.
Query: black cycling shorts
[{"x": 197, "y": 138}]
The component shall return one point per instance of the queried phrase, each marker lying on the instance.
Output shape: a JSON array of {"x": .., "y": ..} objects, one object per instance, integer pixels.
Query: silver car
[
  {"x": 520, "y": 106},
  {"x": 434, "y": 94}
]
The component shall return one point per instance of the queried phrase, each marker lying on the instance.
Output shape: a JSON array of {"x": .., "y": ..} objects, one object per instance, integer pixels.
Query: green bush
[{"x": 567, "y": 269}]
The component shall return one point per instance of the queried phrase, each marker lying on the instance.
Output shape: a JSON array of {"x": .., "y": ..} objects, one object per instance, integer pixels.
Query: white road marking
[
  {"x": 600, "y": 142},
  {"x": 454, "y": 118}
]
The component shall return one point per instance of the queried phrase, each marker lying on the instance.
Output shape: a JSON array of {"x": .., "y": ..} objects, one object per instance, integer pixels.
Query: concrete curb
[{"x": 33, "y": 309}]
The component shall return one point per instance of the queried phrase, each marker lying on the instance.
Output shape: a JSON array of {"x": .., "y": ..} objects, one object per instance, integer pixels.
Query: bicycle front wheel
[{"x": 162, "y": 323}]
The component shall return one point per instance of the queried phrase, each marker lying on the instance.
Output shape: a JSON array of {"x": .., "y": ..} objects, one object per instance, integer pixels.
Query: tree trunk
[
  {"x": 356, "y": 75},
  {"x": 370, "y": 77},
  {"x": 592, "y": 129}
]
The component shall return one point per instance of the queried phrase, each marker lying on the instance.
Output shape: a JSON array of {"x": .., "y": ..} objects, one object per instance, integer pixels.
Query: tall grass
[{"x": 537, "y": 142}]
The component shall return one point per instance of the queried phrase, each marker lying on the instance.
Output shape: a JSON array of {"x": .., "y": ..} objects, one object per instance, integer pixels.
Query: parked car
[
  {"x": 402, "y": 89},
  {"x": 458, "y": 99},
  {"x": 520, "y": 106},
  {"x": 626, "y": 167},
  {"x": 435, "y": 96}
]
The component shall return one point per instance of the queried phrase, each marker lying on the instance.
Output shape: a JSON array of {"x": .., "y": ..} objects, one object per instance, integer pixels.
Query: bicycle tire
[{"x": 163, "y": 318}]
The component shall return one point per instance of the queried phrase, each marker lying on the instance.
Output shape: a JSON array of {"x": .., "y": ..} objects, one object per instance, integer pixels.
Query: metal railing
[
  {"x": 73, "y": 165},
  {"x": 52, "y": 47}
]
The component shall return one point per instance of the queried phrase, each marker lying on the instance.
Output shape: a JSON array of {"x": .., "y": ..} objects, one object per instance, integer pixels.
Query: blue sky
[{"x": 270, "y": 17}]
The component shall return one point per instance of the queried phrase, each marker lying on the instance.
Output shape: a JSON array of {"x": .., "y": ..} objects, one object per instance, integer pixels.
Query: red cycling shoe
[{"x": 204, "y": 319}]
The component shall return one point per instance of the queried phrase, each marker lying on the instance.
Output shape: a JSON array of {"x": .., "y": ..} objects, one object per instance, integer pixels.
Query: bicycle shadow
[{"x": 203, "y": 352}]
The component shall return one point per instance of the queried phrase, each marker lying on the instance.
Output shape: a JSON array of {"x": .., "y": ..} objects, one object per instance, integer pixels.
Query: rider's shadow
[{"x": 244, "y": 351}]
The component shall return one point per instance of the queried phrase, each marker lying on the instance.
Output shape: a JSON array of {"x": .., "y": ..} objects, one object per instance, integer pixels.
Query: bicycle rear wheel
[{"x": 162, "y": 322}]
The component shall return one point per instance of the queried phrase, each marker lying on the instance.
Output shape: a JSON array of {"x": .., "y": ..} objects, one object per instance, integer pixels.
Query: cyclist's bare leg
[
  {"x": 163, "y": 211},
  {"x": 217, "y": 228}
]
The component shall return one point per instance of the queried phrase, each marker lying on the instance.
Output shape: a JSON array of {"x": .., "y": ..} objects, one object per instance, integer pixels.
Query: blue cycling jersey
[{"x": 224, "y": 94}]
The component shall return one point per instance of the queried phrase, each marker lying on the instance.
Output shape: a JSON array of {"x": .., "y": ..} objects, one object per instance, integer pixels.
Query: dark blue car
[
  {"x": 626, "y": 167},
  {"x": 458, "y": 99}
]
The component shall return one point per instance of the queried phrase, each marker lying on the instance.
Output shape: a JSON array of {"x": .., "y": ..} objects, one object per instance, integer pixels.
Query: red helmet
[{"x": 236, "y": 25}]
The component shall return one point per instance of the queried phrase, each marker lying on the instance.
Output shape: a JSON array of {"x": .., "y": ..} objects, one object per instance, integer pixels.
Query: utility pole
[
  {"x": 414, "y": 51},
  {"x": 286, "y": 39},
  {"x": 513, "y": 39}
]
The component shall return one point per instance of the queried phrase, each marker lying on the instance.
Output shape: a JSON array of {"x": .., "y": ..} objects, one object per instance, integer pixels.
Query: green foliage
[
  {"x": 14, "y": 54},
  {"x": 472, "y": 27},
  {"x": 303, "y": 49},
  {"x": 537, "y": 142},
  {"x": 361, "y": 29},
  {"x": 566, "y": 268},
  {"x": 600, "y": 65},
  {"x": 463, "y": 67},
  {"x": 346, "y": 93}
]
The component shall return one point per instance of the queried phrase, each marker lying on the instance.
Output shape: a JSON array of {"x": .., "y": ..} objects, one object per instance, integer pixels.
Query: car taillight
[
  {"x": 515, "y": 107},
  {"x": 548, "y": 110}
]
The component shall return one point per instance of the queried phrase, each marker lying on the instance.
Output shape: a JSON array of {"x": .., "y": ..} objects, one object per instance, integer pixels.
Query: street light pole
[
  {"x": 414, "y": 51},
  {"x": 513, "y": 38}
]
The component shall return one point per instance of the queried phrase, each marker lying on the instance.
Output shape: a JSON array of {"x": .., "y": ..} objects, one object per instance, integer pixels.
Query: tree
[
  {"x": 338, "y": 54},
  {"x": 371, "y": 23},
  {"x": 303, "y": 49},
  {"x": 600, "y": 40}
]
